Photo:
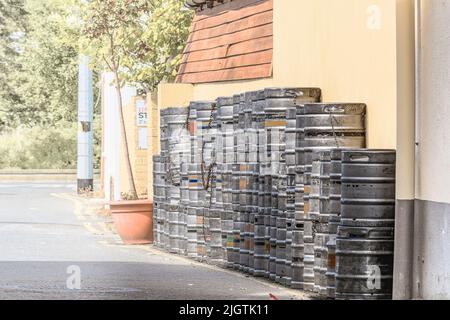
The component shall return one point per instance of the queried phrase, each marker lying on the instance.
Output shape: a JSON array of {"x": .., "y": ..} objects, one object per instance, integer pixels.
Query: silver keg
[
  {"x": 325, "y": 126},
  {"x": 365, "y": 239}
]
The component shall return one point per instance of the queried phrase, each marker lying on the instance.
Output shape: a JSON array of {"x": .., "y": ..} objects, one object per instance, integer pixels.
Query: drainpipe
[
  {"x": 416, "y": 265},
  {"x": 407, "y": 45},
  {"x": 418, "y": 84},
  {"x": 85, "y": 167}
]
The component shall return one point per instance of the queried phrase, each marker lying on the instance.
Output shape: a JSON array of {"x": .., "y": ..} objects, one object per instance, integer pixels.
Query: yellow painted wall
[
  {"x": 348, "y": 48},
  {"x": 175, "y": 95},
  {"x": 138, "y": 156},
  {"x": 355, "y": 51},
  {"x": 332, "y": 47}
]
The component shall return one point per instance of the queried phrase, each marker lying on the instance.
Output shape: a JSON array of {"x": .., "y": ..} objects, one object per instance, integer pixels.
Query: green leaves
[
  {"x": 38, "y": 148},
  {"x": 41, "y": 85},
  {"x": 148, "y": 37}
]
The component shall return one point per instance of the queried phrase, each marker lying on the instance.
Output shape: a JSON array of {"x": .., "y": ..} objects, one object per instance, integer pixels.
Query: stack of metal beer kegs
[
  {"x": 244, "y": 181},
  {"x": 179, "y": 148},
  {"x": 159, "y": 195},
  {"x": 365, "y": 239},
  {"x": 276, "y": 103},
  {"x": 258, "y": 157},
  {"x": 235, "y": 184},
  {"x": 214, "y": 245},
  {"x": 225, "y": 159},
  {"x": 200, "y": 171},
  {"x": 276, "y": 184},
  {"x": 325, "y": 127},
  {"x": 163, "y": 216}
]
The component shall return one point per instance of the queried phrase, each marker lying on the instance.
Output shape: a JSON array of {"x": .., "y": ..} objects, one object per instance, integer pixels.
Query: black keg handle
[
  {"x": 334, "y": 109},
  {"x": 367, "y": 233},
  {"x": 360, "y": 158}
]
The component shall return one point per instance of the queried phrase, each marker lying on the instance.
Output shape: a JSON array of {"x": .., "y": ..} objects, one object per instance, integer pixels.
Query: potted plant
[
  {"x": 133, "y": 219},
  {"x": 107, "y": 29}
]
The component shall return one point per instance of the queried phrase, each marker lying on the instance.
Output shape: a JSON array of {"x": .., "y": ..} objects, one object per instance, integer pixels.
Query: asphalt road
[{"x": 51, "y": 249}]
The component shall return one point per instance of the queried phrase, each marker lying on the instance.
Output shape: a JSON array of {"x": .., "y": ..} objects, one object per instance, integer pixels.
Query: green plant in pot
[
  {"x": 133, "y": 219},
  {"x": 107, "y": 28}
]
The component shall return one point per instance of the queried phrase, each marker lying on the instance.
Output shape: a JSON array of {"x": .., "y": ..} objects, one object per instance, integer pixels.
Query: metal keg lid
[
  {"x": 225, "y": 112},
  {"x": 224, "y": 101},
  {"x": 248, "y": 96},
  {"x": 260, "y": 94},
  {"x": 292, "y": 92},
  {"x": 164, "y": 112},
  {"x": 278, "y": 105},
  {"x": 335, "y": 108},
  {"x": 177, "y": 111},
  {"x": 255, "y": 95},
  {"x": 157, "y": 158},
  {"x": 202, "y": 105},
  {"x": 369, "y": 156},
  {"x": 258, "y": 107}
]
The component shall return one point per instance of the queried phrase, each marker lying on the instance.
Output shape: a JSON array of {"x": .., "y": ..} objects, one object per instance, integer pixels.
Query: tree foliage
[
  {"x": 39, "y": 44},
  {"x": 12, "y": 21},
  {"x": 129, "y": 37},
  {"x": 39, "y": 148},
  {"x": 42, "y": 85},
  {"x": 155, "y": 48},
  {"x": 149, "y": 37}
]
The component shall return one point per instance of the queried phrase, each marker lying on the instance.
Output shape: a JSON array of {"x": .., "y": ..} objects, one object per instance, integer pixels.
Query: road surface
[{"x": 52, "y": 248}]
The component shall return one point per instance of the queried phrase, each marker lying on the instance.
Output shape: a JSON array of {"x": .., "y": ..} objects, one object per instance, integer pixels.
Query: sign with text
[{"x": 141, "y": 113}]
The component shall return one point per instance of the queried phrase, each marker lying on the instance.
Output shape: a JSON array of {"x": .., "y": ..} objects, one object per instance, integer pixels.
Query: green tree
[
  {"x": 44, "y": 82},
  {"x": 151, "y": 36},
  {"x": 39, "y": 44},
  {"x": 108, "y": 24},
  {"x": 154, "y": 49},
  {"x": 12, "y": 26},
  {"x": 140, "y": 41}
]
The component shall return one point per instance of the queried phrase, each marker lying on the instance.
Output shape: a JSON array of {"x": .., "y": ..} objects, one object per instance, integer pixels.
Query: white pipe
[
  {"x": 85, "y": 168},
  {"x": 418, "y": 32}
]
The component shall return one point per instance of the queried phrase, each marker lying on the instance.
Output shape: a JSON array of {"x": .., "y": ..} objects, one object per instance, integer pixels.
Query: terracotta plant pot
[{"x": 133, "y": 220}]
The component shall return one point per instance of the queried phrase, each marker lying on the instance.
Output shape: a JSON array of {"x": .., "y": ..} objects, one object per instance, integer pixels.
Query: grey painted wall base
[
  {"x": 85, "y": 184},
  {"x": 431, "y": 273},
  {"x": 404, "y": 250},
  {"x": 422, "y": 253}
]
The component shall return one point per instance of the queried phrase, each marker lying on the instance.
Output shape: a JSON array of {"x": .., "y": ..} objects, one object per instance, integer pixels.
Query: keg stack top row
[{"x": 276, "y": 184}]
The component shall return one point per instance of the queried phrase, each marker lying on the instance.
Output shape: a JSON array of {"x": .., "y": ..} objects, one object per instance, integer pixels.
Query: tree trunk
[{"x": 124, "y": 137}]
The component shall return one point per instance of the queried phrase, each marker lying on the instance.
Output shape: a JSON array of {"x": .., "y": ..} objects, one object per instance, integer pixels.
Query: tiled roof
[{"x": 232, "y": 40}]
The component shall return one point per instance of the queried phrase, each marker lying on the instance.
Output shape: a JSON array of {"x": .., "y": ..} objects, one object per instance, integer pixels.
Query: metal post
[{"x": 85, "y": 172}]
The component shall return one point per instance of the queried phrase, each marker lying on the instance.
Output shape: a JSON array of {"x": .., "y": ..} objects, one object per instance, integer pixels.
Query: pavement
[{"x": 57, "y": 245}]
